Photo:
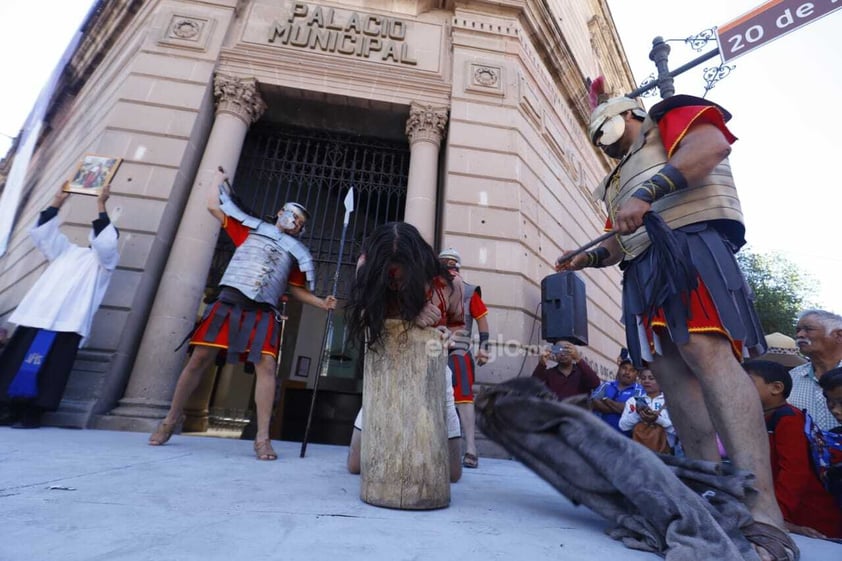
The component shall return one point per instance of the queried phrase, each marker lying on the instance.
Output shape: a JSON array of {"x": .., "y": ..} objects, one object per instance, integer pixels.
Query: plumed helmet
[
  {"x": 607, "y": 111},
  {"x": 297, "y": 209},
  {"x": 451, "y": 253}
]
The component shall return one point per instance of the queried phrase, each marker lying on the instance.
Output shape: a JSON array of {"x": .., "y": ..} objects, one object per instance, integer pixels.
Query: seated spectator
[
  {"x": 570, "y": 376},
  {"x": 647, "y": 417},
  {"x": 610, "y": 398},
  {"x": 808, "y": 508}
]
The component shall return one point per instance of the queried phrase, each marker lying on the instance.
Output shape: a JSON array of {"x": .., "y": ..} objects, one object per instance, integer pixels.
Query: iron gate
[{"x": 282, "y": 163}]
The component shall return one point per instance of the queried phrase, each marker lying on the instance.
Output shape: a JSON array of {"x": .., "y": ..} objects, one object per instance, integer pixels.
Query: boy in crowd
[{"x": 808, "y": 508}]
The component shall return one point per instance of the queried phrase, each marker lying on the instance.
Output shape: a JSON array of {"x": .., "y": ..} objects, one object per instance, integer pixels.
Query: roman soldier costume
[{"x": 243, "y": 318}]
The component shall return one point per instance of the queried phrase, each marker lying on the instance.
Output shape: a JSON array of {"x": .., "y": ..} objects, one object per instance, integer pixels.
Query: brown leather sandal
[
  {"x": 776, "y": 542},
  {"x": 470, "y": 461},
  {"x": 263, "y": 450},
  {"x": 163, "y": 433}
]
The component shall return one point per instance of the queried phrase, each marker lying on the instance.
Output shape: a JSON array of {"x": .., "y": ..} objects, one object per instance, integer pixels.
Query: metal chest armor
[
  {"x": 462, "y": 338},
  {"x": 713, "y": 198},
  {"x": 261, "y": 265}
]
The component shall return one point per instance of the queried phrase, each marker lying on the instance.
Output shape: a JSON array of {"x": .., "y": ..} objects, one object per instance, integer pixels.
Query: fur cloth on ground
[{"x": 682, "y": 509}]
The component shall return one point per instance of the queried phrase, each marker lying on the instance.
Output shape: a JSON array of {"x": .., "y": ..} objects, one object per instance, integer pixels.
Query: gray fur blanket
[{"x": 681, "y": 509}]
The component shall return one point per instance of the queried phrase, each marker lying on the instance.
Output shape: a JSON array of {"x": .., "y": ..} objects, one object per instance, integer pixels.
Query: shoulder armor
[{"x": 227, "y": 205}]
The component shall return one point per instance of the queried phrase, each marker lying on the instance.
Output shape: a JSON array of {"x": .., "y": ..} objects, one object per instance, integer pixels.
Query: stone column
[
  {"x": 424, "y": 128},
  {"x": 182, "y": 285}
]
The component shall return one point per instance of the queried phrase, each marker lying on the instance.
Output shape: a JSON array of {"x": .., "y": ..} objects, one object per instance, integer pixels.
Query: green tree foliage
[{"x": 781, "y": 290}]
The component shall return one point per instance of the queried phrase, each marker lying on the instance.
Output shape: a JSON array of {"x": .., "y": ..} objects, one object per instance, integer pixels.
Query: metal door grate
[{"x": 282, "y": 163}]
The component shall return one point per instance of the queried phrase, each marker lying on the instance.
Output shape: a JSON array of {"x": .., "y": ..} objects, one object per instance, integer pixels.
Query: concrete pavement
[{"x": 91, "y": 495}]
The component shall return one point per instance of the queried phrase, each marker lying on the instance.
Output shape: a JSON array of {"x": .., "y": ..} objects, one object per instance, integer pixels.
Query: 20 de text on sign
[{"x": 768, "y": 22}]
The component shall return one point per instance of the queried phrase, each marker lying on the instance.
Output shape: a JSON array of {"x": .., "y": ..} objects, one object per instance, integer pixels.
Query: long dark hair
[{"x": 373, "y": 294}]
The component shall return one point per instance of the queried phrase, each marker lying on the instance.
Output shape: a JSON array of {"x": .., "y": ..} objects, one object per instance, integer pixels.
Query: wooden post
[{"x": 403, "y": 455}]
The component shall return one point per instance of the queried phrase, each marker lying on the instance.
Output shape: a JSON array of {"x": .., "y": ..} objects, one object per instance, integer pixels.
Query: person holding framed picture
[
  {"x": 55, "y": 316},
  {"x": 93, "y": 174}
]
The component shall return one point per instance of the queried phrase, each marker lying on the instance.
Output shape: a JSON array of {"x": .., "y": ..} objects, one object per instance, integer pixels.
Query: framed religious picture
[{"x": 93, "y": 173}]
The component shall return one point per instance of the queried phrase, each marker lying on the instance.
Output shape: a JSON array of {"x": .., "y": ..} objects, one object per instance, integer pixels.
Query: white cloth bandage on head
[
  {"x": 606, "y": 111},
  {"x": 286, "y": 220},
  {"x": 289, "y": 212},
  {"x": 611, "y": 131}
]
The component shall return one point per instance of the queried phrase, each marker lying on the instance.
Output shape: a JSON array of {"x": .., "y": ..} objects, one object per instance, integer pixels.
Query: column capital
[
  {"x": 239, "y": 97},
  {"x": 426, "y": 123}
]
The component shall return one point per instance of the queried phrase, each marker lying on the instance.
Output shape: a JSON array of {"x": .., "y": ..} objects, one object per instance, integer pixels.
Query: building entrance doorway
[{"x": 314, "y": 167}]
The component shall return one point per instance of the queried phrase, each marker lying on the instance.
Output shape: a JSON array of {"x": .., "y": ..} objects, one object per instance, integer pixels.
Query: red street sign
[{"x": 767, "y": 22}]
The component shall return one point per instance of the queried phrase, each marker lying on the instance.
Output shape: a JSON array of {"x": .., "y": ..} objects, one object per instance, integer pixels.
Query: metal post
[
  {"x": 659, "y": 54},
  {"x": 665, "y": 80}
]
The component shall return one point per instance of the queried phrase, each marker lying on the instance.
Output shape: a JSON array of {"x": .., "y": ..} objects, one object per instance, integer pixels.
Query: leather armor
[
  {"x": 713, "y": 198},
  {"x": 261, "y": 265}
]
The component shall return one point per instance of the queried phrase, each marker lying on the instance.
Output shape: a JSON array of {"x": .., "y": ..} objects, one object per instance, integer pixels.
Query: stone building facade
[{"x": 466, "y": 118}]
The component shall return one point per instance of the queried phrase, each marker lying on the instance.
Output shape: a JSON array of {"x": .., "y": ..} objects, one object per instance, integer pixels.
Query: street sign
[{"x": 768, "y": 22}]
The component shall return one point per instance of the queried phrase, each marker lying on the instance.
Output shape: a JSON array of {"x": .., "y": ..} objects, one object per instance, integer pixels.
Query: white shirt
[
  {"x": 630, "y": 416},
  {"x": 68, "y": 293},
  {"x": 807, "y": 394}
]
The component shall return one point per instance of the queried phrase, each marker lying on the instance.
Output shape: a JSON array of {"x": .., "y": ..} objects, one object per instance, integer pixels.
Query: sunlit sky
[
  {"x": 784, "y": 97},
  {"x": 33, "y": 36}
]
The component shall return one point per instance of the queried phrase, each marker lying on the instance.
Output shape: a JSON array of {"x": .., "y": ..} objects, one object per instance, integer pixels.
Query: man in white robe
[{"x": 55, "y": 316}]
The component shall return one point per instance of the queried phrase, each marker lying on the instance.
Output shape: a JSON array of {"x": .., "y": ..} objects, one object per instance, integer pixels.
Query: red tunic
[
  {"x": 703, "y": 316},
  {"x": 238, "y": 234},
  {"x": 802, "y": 497},
  {"x": 462, "y": 365},
  {"x": 477, "y": 306}
]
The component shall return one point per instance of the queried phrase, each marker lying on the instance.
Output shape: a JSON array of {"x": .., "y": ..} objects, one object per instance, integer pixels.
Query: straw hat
[{"x": 783, "y": 350}]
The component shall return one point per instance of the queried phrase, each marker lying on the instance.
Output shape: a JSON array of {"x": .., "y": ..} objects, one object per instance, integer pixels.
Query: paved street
[{"x": 90, "y": 495}]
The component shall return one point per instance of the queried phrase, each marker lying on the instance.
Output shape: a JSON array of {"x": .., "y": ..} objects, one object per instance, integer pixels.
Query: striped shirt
[{"x": 807, "y": 394}]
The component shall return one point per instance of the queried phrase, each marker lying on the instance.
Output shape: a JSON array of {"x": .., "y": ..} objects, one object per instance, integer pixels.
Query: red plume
[{"x": 596, "y": 93}]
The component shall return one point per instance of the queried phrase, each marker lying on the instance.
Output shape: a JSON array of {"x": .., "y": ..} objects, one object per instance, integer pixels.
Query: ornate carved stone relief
[
  {"x": 426, "y": 123},
  {"x": 187, "y": 32},
  {"x": 186, "y": 29},
  {"x": 486, "y": 76},
  {"x": 485, "y": 79},
  {"x": 238, "y": 96}
]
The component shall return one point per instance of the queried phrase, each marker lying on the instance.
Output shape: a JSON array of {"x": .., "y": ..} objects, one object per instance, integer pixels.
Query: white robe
[{"x": 68, "y": 293}]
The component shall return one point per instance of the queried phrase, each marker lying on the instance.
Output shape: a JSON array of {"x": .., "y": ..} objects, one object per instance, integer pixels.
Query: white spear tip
[{"x": 349, "y": 201}]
